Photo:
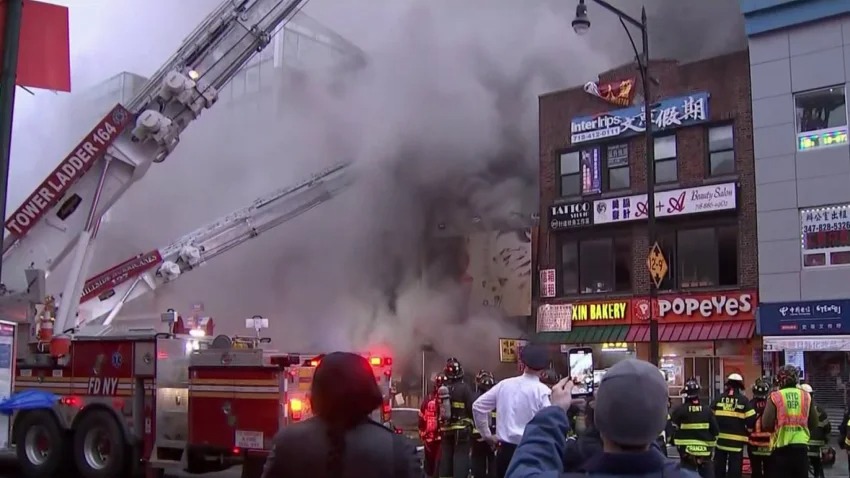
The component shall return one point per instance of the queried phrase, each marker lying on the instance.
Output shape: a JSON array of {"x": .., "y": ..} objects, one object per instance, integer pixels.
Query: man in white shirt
[{"x": 515, "y": 400}]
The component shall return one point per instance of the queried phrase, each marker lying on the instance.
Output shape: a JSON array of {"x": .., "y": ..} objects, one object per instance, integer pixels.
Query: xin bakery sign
[
  {"x": 610, "y": 312},
  {"x": 670, "y": 113},
  {"x": 676, "y": 202},
  {"x": 738, "y": 305}
]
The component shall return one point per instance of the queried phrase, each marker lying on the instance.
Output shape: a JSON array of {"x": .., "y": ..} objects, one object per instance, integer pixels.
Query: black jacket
[{"x": 371, "y": 451}]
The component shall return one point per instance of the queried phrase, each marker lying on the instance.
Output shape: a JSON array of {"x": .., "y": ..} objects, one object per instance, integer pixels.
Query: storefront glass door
[{"x": 709, "y": 373}]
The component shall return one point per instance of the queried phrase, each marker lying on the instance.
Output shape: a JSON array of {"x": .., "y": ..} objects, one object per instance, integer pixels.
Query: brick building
[{"x": 593, "y": 245}]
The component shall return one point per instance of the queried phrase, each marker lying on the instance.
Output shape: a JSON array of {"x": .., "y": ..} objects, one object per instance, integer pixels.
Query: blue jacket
[{"x": 541, "y": 452}]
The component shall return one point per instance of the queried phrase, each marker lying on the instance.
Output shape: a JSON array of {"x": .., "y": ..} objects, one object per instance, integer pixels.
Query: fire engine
[{"x": 140, "y": 399}]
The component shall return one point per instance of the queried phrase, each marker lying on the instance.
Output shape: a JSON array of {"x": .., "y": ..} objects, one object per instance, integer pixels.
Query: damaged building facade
[
  {"x": 593, "y": 280},
  {"x": 800, "y": 73}
]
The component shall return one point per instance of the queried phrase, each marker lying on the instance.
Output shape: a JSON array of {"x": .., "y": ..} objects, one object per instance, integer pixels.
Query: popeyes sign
[{"x": 738, "y": 305}]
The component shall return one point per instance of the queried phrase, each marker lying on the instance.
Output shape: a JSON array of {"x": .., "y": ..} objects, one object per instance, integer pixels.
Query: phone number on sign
[
  {"x": 828, "y": 227},
  {"x": 711, "y": 205}
]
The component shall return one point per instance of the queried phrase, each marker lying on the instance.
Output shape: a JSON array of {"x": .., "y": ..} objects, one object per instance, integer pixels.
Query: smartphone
[{"x": 581, "y": 371}]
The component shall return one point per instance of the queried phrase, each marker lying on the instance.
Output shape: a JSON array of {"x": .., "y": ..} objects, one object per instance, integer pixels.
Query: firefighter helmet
[
  {"x": 439, "y": 380},
  {"x": 484, "y": 380},
  {"x": 787, "y": 376},
  {"x": 735, "y": 380},
  {"x": 807, "y": 388},
  {"x": 761, "y": 389},
  {"x": 454, "y": 371},
  {"x": 691, "y": 388}
]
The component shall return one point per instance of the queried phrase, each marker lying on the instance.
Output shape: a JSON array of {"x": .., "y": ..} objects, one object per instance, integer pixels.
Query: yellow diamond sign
[{"x": 657, "y": 265}]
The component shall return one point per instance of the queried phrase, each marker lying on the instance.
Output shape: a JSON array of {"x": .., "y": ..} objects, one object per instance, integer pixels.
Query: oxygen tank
[{"x": 444, "y": 397}]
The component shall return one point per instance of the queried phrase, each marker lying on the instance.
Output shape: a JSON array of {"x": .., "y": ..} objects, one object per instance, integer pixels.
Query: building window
[
  {"x": 617, "y": 162},
  {"x": 825, "y": 236},
  {"x": 704, "y": 257},
  {"x": 821, "y": 118},
  {"x": 666, "y": 169},
  {"x": 721, "y": 150},
  {"x": 595, "y": 266},
  {"x": 570, "y": 174}
]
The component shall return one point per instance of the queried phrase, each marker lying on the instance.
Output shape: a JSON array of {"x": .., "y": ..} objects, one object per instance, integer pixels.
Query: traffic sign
[{"x": 657, "y": 265}]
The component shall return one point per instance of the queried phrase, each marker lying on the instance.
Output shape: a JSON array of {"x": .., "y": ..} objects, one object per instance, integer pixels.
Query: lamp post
[{"x": 581, "y": 24}]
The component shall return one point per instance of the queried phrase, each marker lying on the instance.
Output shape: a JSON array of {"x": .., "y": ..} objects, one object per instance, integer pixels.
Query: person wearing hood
[
  {"x": 630, "y": 412},
  {"x": 341, "y": 440},
  {"x": 735, "y": 417}
]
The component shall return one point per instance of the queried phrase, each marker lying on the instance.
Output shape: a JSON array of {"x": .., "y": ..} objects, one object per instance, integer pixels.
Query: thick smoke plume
[{"x": 441, "y": 125}]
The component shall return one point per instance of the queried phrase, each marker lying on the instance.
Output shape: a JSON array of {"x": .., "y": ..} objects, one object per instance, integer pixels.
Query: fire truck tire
[
  {"x": 96, "y": 431},
  {"x": 41, "y": 445}
]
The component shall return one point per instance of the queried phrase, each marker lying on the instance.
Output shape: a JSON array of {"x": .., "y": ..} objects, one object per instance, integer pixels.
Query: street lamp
[{"x": 581, "y": 24}]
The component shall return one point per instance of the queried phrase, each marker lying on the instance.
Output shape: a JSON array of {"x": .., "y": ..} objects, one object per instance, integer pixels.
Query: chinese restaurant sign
[
  {"x": 825, "y": 235},
  {"x": 568, "y": 216},
  {"x": 676, "y": 202},
  {"x": 669, "y": 114},
  {"x": 822, "y": 317},
  {"x": 738, "y": 305}
]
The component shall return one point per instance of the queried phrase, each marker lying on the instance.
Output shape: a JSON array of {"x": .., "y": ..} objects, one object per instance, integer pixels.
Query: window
[
  {"x": 617, "y": 161},
  {"x": 570, "y": 174},
  {"x": 821, "y": 118},
  {"x": 594, "y": 266},
  {"x": 705, "y": 257},
  {"x": 721, "y": 150},
  {"x": 666, "y": 169},
  {"x": 825, "y": 236}
]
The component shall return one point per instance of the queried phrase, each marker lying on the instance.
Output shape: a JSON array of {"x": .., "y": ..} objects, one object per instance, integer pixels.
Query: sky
[{"x": 442, "y": 119}]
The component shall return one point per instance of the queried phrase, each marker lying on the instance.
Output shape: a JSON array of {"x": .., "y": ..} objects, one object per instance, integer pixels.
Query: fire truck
[{"x": 124, "y": 394}]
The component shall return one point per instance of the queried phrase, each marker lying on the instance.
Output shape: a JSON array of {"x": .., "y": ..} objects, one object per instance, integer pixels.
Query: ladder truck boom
[
  {"x": 105, "y": 294},
  {"x": 64, "y": 212}
]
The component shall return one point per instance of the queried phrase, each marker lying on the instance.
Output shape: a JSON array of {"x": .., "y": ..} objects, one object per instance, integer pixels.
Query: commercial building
[
  {"x": 593, "y": 246},
  {"x": 800, "y": 68}
]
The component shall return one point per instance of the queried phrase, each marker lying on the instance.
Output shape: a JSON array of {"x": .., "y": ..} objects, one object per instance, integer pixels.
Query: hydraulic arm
[
  {"x": 105, "y": 294},
  {"x": 64, "y": 212}
]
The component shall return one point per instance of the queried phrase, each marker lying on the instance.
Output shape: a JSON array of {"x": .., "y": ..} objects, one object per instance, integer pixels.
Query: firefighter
[
  {"x": 789, "y": 414},
  {"x": 429, "y": 430},
  {"x": 817, "y": 435},
  {"x": 735, "y": 416},
  {"x": 758, "y": 448},
  {"x": 696, "y": 431},
  {"x": 455, "y": 398},
  {"x": 844, "y": 436},
  {"x": 483, "y": 457}
]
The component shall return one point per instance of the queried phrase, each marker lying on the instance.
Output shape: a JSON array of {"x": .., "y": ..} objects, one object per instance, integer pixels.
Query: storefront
[
  {"x": 814, "y": 336},
  {"x": 706, "y": 336}
]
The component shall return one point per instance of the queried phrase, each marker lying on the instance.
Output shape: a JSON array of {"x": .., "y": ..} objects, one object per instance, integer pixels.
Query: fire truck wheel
[
  {"x": 100, "y": 450},
  {"x": 40, "y": 444}
]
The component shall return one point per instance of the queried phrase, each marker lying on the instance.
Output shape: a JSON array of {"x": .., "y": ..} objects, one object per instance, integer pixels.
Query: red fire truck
[{"x": 123, "y": 393}]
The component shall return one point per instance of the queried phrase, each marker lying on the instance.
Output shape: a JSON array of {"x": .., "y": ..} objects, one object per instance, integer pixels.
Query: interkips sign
[{"x": 611, "y": 311}]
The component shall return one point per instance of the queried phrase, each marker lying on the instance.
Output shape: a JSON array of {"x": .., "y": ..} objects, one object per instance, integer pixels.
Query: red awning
[{"x": 694, "y": 332}]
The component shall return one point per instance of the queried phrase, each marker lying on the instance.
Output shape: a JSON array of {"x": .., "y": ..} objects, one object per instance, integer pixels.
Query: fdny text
[{"x": 107, "y": 386}]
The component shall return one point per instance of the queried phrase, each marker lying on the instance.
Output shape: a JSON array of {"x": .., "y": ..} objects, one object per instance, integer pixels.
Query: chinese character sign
[
  {"x": 548, "y": 283},
  {"x": 825, "y": 235},
  {"x": 669, "y": 114},
  {"x": 820, "y": 317}
]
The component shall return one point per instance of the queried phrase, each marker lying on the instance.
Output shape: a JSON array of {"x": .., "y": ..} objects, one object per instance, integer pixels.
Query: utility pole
[{"x": 11, "y": 44}]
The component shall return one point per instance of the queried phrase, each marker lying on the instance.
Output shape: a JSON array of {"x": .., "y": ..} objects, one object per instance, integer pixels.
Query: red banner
[
  {"x": 620, "y": 93},
  {"x": 119, "y": 274},
  {"x": 44, "y": 59},
  {"x": 704, "y": 307}
]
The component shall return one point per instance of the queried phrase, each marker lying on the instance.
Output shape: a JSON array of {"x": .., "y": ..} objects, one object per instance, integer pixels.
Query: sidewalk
[{"x": 839, "y": 469}]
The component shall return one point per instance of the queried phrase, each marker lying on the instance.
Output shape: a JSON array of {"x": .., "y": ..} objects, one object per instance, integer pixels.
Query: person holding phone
[{"x": 517, "y": 399}]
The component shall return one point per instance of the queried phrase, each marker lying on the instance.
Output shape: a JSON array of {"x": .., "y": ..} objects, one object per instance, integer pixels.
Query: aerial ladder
[
  {"x": 63, "y": 213},
  {"x": 106, "y": 293}
]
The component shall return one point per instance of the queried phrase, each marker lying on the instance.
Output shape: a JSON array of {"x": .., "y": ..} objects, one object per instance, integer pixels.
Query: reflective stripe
[
  {"x": 792, "y": 416},
  {"x": 694, "y": 426},
  {"x": 458, "y": 405},
  {"x": 730, "y": 448},
  {"x": 731, "y": 414},
  {"x": 690, "y": 442},
  {"x": 732, "y": 436}
]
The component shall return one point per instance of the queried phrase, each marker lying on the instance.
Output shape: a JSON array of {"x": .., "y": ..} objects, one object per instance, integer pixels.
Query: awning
[
  {"x": 597, "y": 334},
  {"x": 694, "y": 332}
]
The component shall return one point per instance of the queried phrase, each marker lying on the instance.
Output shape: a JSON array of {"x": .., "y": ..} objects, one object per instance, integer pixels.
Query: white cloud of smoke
[{"x": 442, "y": 120}]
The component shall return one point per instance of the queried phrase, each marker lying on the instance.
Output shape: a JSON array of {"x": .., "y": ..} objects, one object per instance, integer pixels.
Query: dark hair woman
[{"x": 341, "y": 440}]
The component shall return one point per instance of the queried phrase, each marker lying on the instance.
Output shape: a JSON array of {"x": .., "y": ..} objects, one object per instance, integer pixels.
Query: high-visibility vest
[
  {"x": 792, "y": 417},
  {"x": 759, "y": 440}
]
